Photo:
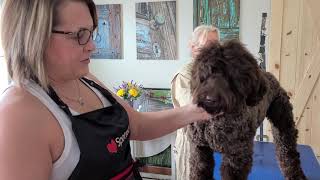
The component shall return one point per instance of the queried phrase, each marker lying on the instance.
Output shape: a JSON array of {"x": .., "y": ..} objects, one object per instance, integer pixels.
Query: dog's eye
[
  {"x": 210, "y": 99},
  {"x": 202, "y": 79}
]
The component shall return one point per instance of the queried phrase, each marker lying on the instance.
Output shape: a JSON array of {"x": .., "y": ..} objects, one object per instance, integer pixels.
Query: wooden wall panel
[
  {"x": 306, "y": 103},
  {"x": 289, "y": 45},
  {"x": 275, "y": 37},
  {"x": 315, "y": 120},
  {"x": 313, "y": 6},
  {"x": 309, "y": 79},
  {"x": 303, "y": 61},
  {"x": 306, "y": 36},
  {"x": 297, "y": 62},
  {"x": 304, "y": 126}
]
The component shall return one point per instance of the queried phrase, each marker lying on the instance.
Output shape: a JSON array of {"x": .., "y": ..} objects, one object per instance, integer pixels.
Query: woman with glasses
[{"x": 57, "y": 121}]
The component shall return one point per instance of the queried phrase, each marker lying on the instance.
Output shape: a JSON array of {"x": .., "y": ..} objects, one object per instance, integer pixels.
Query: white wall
[
  {"x": 158, "y": 73},
  {"x": 250, "y": 22}
]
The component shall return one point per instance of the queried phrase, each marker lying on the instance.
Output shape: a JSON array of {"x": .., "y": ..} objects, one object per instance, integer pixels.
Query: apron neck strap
[
  {"x": 58, "y": 101},
  {"x": 104, "y": 92}
]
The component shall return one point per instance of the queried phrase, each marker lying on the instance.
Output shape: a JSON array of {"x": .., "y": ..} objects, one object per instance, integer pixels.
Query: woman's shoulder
[
  {"x": 16, "y": 103},
  {"x": 17, "y": 97}
]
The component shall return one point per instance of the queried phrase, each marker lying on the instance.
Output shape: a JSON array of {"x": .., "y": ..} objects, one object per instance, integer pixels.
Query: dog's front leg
[
  {"x": 236, "y": 166},
  {"x": 201, "y": 162}
]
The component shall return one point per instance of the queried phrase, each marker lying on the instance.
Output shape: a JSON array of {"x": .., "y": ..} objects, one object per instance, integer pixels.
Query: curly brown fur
[{"x": 227, "y": 82}]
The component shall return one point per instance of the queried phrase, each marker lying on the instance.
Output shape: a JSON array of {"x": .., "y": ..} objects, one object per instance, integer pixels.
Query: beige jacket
[{"x": 181, "y": 95}]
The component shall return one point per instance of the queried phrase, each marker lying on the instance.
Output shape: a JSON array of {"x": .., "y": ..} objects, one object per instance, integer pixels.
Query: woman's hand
[{"x": 195, "y": 113}]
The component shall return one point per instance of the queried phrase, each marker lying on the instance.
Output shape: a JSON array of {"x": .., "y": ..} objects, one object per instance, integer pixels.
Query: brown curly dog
[{"x": 227, "y": 82}]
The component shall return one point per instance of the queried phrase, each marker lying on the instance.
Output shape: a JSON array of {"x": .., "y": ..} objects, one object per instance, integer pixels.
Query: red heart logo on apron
[{"x": 112, "y": 147}]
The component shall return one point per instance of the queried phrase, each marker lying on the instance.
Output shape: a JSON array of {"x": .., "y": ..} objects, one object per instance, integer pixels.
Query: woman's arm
[
  {"x": 24, "y": 149},
  {"x": 150, "y": 125}
]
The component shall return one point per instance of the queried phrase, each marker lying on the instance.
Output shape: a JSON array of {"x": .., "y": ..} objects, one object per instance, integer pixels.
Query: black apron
[{"x": 103, "y": 139}]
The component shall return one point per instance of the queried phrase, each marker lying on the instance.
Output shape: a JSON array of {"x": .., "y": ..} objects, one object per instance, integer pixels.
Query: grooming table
[{"x": 265, "y": 164}]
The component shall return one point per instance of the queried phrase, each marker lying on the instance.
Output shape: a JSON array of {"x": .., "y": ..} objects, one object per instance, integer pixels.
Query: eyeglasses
[{"x": 83, "y": 35}]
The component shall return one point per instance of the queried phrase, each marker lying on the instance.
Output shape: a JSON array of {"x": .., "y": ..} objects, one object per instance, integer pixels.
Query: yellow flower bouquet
[{"x": 129, "y": 90}]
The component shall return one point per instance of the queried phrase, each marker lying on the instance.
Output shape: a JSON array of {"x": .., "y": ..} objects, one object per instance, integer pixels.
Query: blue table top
[{"x": 265, "y": 165}]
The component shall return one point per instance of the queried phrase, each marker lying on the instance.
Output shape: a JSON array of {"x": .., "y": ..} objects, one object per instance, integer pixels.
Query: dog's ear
[
  {"x": 245, "y": 73},
  {"x": 258, "y": 90},
  {"x": 205, "y": 64}
]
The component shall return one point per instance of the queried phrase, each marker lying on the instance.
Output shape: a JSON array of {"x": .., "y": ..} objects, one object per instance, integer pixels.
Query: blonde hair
[
  {"x": 26, "y": 27},
  {"x": 200, "y": 34}
]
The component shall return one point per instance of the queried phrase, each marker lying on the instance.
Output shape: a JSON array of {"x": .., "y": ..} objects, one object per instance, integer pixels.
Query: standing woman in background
[
  {"x": 57, "y": 121},
  {"x": 181, "y": 95}
]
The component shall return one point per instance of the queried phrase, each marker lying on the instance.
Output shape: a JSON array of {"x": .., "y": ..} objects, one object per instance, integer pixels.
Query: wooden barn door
[{"x": 294, "y": 58}]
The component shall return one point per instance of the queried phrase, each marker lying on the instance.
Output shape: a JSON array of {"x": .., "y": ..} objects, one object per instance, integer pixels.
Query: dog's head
[{"x": 225, "y": 77}]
